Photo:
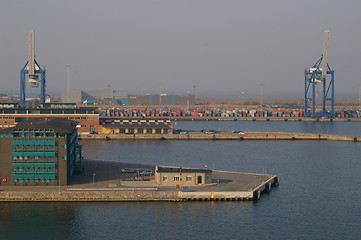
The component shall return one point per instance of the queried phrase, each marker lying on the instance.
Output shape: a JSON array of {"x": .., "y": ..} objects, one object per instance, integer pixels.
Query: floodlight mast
[
  {"x": 33, "y": 70},
  {"x": 318, "y": 73}
]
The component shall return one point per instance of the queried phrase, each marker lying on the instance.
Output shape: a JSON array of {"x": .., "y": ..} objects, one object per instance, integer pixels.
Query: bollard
[{"x": 212, "y": 194}]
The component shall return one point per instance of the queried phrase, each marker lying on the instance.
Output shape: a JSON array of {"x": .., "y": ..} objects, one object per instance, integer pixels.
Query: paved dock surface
[{"x": 108, "y": 173}]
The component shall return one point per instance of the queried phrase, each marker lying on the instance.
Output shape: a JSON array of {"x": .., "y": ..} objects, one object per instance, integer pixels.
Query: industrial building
[
  {"x": 169, "y": 176},
  {"x": 162, "y": 99},
  {"x": 107, "y": 93},
  {"x": 136, "y": 126},
  {"x": 75, "y": 96},
  {"x": 112, "y": 97},
  {"x": 88, "y": 117},
  {"x": 101, "y": 97},
  {"x": 40, "y": 151}
]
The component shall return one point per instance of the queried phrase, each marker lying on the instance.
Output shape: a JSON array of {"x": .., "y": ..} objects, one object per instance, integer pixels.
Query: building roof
[
  {"x": 47, "y": 108},
  {"x": 137, "y": 125},
  {"x": 134, "y": 118},
  {"x": 58, "y": 125},
  {"x": 183, "y": 170}
]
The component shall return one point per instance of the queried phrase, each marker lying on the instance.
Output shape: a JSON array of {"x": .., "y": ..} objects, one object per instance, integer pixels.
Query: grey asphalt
[
  {"x": 109, "y": 174},
  {"x": 105, "y": 174}
]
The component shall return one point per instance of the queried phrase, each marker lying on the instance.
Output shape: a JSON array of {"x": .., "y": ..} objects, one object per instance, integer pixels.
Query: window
[
  {"x": 176, "y": 178},
  {"x": 189, "y": 178},
  {"x": 164, "y": 178}
]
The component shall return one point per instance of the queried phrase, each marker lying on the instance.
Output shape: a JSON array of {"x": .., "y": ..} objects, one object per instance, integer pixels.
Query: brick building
[{"x": 87, "y": 117}]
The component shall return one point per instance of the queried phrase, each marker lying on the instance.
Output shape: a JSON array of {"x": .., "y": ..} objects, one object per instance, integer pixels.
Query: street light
[
  {"x": 93, "y": 177},
  {"x": 261, "y": 88},
  {"x": 68, "y": 71},
  {"x": 359, "y": 97}
]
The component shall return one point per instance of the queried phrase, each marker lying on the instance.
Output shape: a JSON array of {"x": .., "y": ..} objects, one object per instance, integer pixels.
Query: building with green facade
[{"x": 40, "y": 152}]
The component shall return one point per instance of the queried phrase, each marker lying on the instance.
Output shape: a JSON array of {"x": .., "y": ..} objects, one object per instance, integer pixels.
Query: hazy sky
[{"x": 223, "y": 47}]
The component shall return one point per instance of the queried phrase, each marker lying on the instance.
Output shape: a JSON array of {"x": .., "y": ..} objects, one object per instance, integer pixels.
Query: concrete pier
[
  {"x": 135, "y": 194},
  {"x": 108, "y": 187}
]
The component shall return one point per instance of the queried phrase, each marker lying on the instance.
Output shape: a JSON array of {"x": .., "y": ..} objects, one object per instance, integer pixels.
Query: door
[{"x": 199, "y": 180}]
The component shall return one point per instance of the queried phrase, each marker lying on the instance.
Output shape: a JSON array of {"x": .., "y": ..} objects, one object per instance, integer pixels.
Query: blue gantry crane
[
  {"x": 35, "y": 75},
  {"x": 320, "y": 74}
]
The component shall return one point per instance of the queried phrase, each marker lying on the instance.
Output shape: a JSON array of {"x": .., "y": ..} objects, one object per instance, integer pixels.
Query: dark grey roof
[
  {"x": 137, "y": 125},
  {"x": 183, "y": 170},
  {"x": 132, "y": 118},
  {"x": 58, "y": 125}
]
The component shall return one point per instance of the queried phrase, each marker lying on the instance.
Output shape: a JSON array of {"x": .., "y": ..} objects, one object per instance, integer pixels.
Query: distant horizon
[{"x": 203, "y": 94}]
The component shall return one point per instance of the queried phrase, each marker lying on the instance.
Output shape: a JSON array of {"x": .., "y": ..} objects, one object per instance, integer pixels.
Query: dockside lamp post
[{"x": 93, "y": 177}]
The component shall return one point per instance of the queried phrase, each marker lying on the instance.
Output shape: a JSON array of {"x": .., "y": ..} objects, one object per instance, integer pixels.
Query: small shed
[{"x": 171, "y": 176}]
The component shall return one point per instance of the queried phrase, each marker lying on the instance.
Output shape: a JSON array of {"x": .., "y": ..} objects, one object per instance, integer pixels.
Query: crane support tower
[
  {"x": 31, "y": 72},
  {"x": 322, "y": 74}
]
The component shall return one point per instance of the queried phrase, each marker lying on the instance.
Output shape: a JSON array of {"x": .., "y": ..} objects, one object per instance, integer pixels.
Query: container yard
[{"x": 217, "y": 113}]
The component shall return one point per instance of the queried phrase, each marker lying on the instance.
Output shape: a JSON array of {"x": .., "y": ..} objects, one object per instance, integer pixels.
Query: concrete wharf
[{"x": 279, "y": 119}]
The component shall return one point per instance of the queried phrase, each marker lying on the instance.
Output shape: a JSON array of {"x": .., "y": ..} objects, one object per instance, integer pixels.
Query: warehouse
[
  {"x": 163, "y": 99},
  {"x": 136, "y": 126},
  {"x": 87, "y": 117}
]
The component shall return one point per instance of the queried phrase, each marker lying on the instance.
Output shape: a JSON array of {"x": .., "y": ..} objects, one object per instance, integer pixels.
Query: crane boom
[
  {"x": 31, "y": 52},
  {"x": 31, "y": 72},
  {"x": 325, "y": 54}
]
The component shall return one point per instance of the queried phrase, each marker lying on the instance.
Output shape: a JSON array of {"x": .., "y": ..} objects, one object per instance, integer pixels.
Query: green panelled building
[{"x": 40, "y": 152}]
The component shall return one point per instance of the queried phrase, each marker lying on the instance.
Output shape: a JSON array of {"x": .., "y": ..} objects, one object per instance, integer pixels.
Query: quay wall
[
  {"x": 222, "y": 136},
  {"x": 279, "y": 119},
  {"x": 195, "y": 196},
  {"x": 124, "y": 196},
  {"x": 89, "y": 196}
]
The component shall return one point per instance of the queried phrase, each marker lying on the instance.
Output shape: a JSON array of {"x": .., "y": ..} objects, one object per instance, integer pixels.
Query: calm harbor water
[{"x": 318, "y": 196}]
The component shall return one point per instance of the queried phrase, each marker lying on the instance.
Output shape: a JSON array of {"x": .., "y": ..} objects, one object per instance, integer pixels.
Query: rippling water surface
[{"x": 318, "y": 196}]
